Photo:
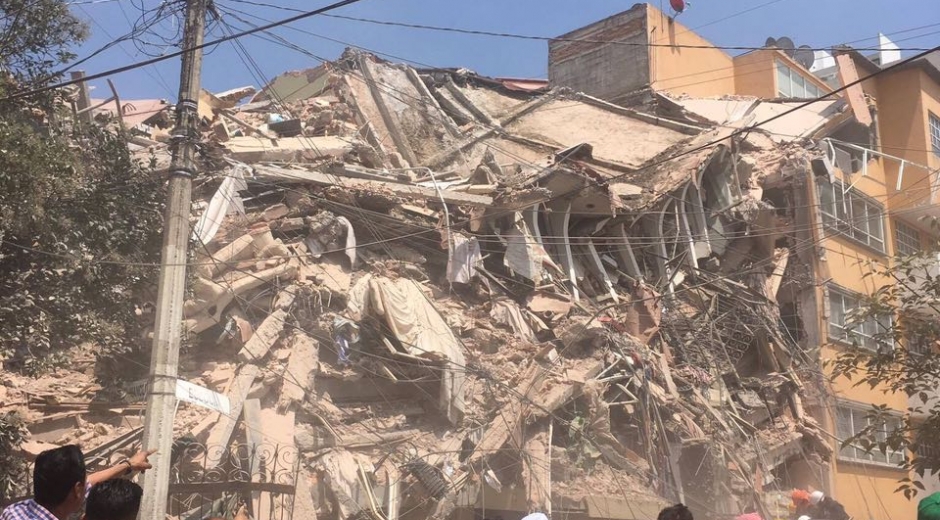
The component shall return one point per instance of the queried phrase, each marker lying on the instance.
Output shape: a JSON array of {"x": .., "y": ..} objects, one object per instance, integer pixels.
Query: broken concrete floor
[{"x": 483, "y": 297}]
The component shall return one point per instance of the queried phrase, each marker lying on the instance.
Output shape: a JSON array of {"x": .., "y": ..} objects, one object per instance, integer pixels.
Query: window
[
  {"x": 851, "y": 159},
  {"x": 852, "y": 214},
  {"x": 918, "y": 346},
  {"x": 906, "y": 239},
  {"x": 851, "y": 421},
  {"x": 792, "y": 84},
  {"x": 927, "y": 449},
  {"x": 843, "y": 327},
  {"x": 935, "y": 134}
]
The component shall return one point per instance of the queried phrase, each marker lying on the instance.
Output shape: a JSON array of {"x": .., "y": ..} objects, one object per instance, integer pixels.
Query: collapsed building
[{"x": 464, "y": 297}]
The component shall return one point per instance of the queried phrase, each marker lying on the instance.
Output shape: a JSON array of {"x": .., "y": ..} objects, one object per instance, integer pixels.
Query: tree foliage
[
  {"x": 12, "y": 465},
  {"x": 79, "y": 217},
  {"x": 36, "y": 36},
  {"x": 907, "y": 363}
]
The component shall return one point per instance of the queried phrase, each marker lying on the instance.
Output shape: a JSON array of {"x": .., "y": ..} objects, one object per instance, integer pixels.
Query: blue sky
[{"x": 817, "y": 23}]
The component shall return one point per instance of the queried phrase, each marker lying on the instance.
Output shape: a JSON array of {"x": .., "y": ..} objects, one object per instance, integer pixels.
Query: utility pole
[{"x": 164, "y": 360}]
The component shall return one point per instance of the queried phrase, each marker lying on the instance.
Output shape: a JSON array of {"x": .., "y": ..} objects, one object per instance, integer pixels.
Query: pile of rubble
[{"x": 453, "y": 293}]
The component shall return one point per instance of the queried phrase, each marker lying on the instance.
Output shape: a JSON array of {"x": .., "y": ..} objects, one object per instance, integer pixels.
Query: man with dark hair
[
  {"x": 115, "y": 499},
  {"x": 676, "y": 512},
  {"x": 60, "y": 483}
]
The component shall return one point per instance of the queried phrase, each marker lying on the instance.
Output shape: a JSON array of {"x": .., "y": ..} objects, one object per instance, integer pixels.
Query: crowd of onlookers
[{"x": 62, "y": 489}]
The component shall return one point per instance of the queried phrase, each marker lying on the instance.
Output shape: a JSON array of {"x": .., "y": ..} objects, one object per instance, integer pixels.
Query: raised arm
[{"x": 138, "y": 462}]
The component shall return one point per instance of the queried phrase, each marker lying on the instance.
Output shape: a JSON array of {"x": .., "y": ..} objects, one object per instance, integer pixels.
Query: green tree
[
  {"x": 80, "y": 219},
  {"x": 36, "y": 36},
  {"x": 904, "y": 319},
  {"x": 12, "y": 465}
]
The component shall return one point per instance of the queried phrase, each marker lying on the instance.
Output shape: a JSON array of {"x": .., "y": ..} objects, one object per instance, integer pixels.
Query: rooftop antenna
[
  {"x": 805, "y": 56},
  {"x": 786, "y": 45}
]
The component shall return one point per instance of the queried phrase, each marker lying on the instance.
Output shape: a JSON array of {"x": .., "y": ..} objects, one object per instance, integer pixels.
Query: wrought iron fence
[{"x": 215, "y": 480}]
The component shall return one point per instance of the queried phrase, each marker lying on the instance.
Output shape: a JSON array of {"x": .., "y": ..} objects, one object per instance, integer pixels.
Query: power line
[
  {"x": 747, "y": 129},
  {"x": 156, "y": 77},
  {"x": 165, "y": 57},
  {"x": 465, "y": 369},
  {"x": 732, "y": 134},
  {"x": 287, "y": 44},
  {"x": 785, "y": 114},
  {"x": 730, "y": 16},
  {"x": 749, "y": 72},
  {"x": 252, "y": 31},
  {"x": 478, "y": 32}
]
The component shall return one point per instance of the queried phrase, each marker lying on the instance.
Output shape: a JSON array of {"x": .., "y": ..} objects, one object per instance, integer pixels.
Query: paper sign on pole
[{"x": 199, "y": 396}]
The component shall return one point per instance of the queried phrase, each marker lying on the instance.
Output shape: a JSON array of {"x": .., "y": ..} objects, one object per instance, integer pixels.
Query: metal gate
[{"x": 215, "y": 480}]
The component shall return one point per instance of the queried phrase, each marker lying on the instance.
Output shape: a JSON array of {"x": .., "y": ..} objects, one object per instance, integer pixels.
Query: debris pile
[{"x": 452, "y": 293}]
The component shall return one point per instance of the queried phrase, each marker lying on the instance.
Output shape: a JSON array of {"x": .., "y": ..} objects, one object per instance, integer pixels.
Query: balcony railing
[{"x": 853, "y": 159}]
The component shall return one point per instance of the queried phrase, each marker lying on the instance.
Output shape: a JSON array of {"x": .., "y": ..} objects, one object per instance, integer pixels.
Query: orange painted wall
[
  {"x": 755, "y": 73},
  {"x": 931, "y": 103},
  {"x": 696, "y": 72},
  {"x": 903, "y": 128},
  {"x": 907, "y": 98},
  {"x": 867, "y": 492}
]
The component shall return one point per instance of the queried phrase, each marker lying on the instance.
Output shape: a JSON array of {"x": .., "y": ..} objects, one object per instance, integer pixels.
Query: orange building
[{"x": 864, "y": 206}]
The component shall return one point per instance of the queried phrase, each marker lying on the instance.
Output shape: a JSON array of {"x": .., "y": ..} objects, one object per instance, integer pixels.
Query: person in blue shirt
[{"x": 60, "y": 483}]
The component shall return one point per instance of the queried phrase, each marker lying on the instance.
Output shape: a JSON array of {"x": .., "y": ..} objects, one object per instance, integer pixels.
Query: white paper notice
[{"x": 199, "y": 396}]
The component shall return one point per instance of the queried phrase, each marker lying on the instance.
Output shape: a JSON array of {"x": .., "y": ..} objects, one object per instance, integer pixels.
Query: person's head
[
  {"x": 59, "y": 479},
  {"x": 115, "y": 499},
  {"x": 676, "y": 512},
  {"x": 816, "y": 497}
]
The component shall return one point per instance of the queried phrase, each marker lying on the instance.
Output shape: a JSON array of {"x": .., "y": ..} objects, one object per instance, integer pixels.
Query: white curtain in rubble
[
  {"x": 226, "y": 200},
  {"x": 409, "y": 315},
  {"x": 463, "y": 258}
]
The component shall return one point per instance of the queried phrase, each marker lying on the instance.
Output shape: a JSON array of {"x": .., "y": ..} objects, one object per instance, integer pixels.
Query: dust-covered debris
[{"x": 440, "y": 289}]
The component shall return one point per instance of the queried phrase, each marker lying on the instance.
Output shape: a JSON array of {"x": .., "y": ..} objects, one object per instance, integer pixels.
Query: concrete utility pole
[{"x": 164, "y": 360}]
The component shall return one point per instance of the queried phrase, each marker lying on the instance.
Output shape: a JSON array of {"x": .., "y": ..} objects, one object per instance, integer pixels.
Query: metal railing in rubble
[{"x": 216, "y": 480}]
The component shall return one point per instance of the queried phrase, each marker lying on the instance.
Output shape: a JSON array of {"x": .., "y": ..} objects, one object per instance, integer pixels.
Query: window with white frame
[
  {"x": 906, "y": 239},
  {"x": 792, "y": 84},
  {"x": 844, "y": 324},
  {"x": 935, "y": 134},
  {"x": 851, "y": 421},
  {"x": 852, "y": 214},
  {"x": 918, "y": 346},
  {"x": 927, "y": 450}
]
